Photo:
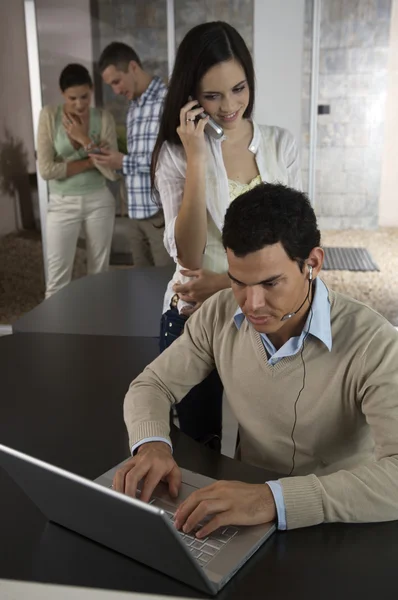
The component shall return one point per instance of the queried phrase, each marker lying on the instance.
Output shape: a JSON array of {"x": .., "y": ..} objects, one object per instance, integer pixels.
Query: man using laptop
[{"x": 311, "y": 376}]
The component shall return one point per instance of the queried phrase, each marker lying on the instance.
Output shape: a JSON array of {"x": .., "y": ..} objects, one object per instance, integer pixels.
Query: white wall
[
  {"x": 278, "y": 57},
  {"x": 388, "y": 204}
]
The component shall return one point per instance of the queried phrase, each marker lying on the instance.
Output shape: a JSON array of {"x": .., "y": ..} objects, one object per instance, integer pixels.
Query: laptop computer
[{"x": 142, "y": 531}]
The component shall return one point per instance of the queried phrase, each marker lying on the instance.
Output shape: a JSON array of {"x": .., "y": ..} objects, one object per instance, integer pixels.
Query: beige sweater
[
  {"x": 347, "y": 415},
  {"x": 50, "y": 167}
]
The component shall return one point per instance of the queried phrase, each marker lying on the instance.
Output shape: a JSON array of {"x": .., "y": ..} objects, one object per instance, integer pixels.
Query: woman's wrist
[
  {"x": 225, "y": 281},
  {"x": 87, "y": 143},
  {"x": 196, "y": 160}
]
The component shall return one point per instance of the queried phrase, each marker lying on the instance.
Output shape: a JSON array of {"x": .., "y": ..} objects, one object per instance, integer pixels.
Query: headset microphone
[{"x": 291, "y": 314}]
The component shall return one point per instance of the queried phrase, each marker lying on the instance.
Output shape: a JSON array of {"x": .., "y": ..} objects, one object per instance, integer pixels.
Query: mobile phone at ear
[{"x": 212, "y": 128}]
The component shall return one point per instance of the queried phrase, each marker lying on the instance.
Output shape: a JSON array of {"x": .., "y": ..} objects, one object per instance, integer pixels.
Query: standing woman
[
  {"x": 198, "y": 176},
  {"x": 79, "y": 195}
]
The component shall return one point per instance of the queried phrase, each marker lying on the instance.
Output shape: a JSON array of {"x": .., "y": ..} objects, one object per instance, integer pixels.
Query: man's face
[
  {"x": 267, "y": 285},
  {"x": 123, "y": 83}
]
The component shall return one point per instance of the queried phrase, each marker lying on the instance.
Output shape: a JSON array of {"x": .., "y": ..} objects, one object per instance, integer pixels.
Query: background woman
[{"x": 79, "y": 196}]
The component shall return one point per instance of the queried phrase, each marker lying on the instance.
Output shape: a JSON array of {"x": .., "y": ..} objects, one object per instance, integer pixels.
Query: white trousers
[{"x": 66, "y": 215}]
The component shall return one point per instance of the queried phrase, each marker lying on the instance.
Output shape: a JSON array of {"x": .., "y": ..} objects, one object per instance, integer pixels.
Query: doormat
[{"x": 348, "y": 259}]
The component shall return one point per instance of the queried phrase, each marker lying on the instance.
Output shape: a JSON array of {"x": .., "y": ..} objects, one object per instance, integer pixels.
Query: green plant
[
  {"x": 13, "y": 162},
  {"x": 14, "y": 180}
]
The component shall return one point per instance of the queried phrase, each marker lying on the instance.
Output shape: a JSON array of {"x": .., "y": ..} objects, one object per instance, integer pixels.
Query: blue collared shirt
[{"x": 316, "y": 325}]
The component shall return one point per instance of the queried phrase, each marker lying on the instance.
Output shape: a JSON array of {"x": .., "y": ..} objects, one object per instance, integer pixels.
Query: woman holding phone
[
  {"x": 79, "y": 196},
  {"x": 197, "y": 173}
]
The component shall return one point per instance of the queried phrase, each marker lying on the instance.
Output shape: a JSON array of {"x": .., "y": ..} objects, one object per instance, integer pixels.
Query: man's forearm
[
  {"x": 147, "y": 408},
  {"x": 132, "y": 165},
  {"x": 367, "y": 493}
]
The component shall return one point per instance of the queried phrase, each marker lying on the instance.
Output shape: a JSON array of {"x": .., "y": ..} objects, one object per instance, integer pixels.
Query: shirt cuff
[
  {"x": 152, "y": 439},
  {"x": 277, "y": 493}
]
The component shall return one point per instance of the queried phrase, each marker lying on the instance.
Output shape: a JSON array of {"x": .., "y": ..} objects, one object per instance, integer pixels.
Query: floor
[
  {"x": 377, "y": 289},
  {"x": 22, "y": 281}
]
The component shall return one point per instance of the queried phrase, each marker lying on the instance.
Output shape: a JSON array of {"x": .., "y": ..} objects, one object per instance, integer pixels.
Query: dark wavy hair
[
  {"x": 268, "y": 214},
  {"x": 74, "y": 74},
  {"x": 202, "y": 48}
]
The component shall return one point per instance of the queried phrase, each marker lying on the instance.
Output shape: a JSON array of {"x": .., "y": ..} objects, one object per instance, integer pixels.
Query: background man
[{"x": 121, "y": 68}]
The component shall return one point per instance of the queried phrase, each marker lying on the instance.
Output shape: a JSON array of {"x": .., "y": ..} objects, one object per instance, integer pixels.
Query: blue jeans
[{"x": 200, "y": 411}]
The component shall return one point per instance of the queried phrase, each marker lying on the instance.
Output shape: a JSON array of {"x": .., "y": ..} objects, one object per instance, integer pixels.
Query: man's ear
[
  {"x": 315, "y": 260},
  {"x": 133, "y": 65}
]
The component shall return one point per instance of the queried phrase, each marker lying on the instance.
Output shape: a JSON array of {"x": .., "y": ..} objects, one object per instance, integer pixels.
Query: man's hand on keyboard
[
  {"x": 153, "y": 462},
  {"x": 226, "y": 503}
]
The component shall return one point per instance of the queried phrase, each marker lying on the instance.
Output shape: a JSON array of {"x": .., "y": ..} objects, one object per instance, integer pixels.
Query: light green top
[
  {"x": 83, "y": 183},
  {"x": 236, "y": 188},
  {"x": 215, "y": 258}
]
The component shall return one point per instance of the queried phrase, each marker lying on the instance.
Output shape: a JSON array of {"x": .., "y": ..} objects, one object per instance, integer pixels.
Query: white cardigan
[{"x": 277, "y": 161}]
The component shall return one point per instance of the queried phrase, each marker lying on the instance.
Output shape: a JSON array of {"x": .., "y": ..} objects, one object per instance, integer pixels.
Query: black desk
[
  {"x": 61, "y": 400},
  {"x": 123, "y": 302}
]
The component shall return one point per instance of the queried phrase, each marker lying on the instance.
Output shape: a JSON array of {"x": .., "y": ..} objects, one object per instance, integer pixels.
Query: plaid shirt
[{"x": 142, "y": 129}]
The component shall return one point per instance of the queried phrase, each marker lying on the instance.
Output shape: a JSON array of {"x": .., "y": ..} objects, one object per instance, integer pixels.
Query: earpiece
[{"x": 291, "y": 314}]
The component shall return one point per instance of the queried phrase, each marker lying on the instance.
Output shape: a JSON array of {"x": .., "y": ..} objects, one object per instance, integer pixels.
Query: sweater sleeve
[
  {"x": 170, "y": 377},
  {"x": 368, "y": 492},
  {"x": 49, "y": 168}
]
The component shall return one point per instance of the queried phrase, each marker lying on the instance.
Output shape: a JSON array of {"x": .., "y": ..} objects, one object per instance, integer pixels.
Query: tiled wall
[
  {"x": 140, "y": 24},
  {"x": 354, "y": 40},
  {"x": 238, "y": 13},
  {"x": 143, "y": 25}
]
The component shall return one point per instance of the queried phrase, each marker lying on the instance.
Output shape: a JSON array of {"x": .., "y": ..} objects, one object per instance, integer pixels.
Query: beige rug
[
  {"x": 378, "y": 289},
  {"x": 22, "y": 280},
  {"x": 22, "y": 275}
]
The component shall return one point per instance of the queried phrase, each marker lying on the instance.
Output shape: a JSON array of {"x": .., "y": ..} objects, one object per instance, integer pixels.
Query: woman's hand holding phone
[{"x": 191, "y": 132}]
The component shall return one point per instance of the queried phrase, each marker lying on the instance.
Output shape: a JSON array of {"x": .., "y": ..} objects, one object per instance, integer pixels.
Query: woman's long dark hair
[{"x": 203, "y": 47}]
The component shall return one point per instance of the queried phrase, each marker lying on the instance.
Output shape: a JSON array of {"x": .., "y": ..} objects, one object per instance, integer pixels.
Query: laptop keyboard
[{"x": 204, "y": 549}]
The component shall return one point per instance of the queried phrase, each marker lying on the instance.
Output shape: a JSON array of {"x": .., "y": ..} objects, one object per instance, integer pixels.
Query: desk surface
[
  {"x": 62, "y": 401},
  {"x": 123, "y": 302}
]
